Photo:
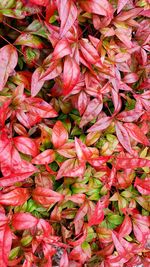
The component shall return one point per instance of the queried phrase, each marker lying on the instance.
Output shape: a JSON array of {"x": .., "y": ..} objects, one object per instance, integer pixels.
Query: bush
[{"x": 74, "y": 138}]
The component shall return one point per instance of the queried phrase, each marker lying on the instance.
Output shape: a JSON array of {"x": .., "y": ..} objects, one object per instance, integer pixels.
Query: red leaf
[
  {"x": 83, "y": 152},
  {"x": 61, "y": 49},
  {"x": 141, "y": 226},
  {"x": 92, "y": 111},
  {"x": 100, "y": 7},
  {"x": 40, "y": 2},
  {"x": 97, "y": 162},
  {"x": 64, "y": 261},
  {"x": 71, "y": 75},
  {"x": 126, "y": 227},
  {"x": 5, "y": 244},
  {"x": 130, "y": 78},
  {"x": 71, "y": 168},
  {"x": 46, "y": 196},
  {"x": 82, "y": 102},
  {"x": 68, "y": 14},
  {"x": 26, "y": 145},
  {"x": 67, "y": 150},
  {"x": 59, "y": 135},
  {"x": 136, "y": 133},
  {"x": 77, "y": 198},
  {"x": 22, "y": 221},
  {"x": 98, "y": 214},
  {"x": 120, "y": 249},
  {"x": 39, "y": 107},
  {"x": 16, "y": 197},
  {"x": 79, "y": 241},
  {"x": 30, "y": 40},
  {"x": 131, "y": 163},
  {"x": 89, "y": 52},
  {"x": 129, "y": 116},
  {"x": 15, "y": 178},
  {"x": 143, "y": 186},
  {"x": 8, "y": 59},
  {"x": 101, "y": 124},
  {"x": 123, "y": 137},
  {"x": 36, "y": 81},
  {"x": 121, "y": 4},
  {"x": 47, "y": 156}
]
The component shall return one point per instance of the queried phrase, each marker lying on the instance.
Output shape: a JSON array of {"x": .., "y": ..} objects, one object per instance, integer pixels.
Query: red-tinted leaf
[
  {"x": 82, "y": 102},
  {"x": 36, "y": 82},
  {"x": 143, "y": 186},
  {"x": 5, "y": 244},
  {"x": 26, "y": 145},
  {"x": 129, "y": 116},
  {"x": 98, "y": 214},
  {"x": 83, "y": 152},
  {"x": 136, "y": 133},
  {"x": 40, "y": 2},
  {"x": 126, "y": 227},
  {"x": 71, "y": 168},
  {"x": 123, "y": 137},
  {"x": 70, "y": 75},
  {"x": 131, "y": 78},
  {"x": 39, "y": 107},
  {"x": 100, "y": 7},
  {"x": 92, "y": 111},
  {"x": 121, "y": 4},
  {"x": 97, "y": 162},
  {"x": 89, "y": 52},
  {"x": 79, "y": 241},
  {"x": 64, "y": 261},
  {"x": 62, "y": 49},
  {"x": 77, "y": 198},
  {"x": 8, "y": 59},
  {"x": 120, "y": 249},
  {"x": 16, "y": 197},
  {"x": 101, "y": 124},
  {"x": 141, "y": 226},
  {"x": 59, "y": 135},
  {"x": 67, "y": 150},
  {"x": 131, "y": 163},
  {"x": 46, "y": 197},
  {"x": 47, "y": 156},
  {"x": 22, "y": 221},
  {"x": 68, "y": 14},
  {"x": 30, "y": 40}
]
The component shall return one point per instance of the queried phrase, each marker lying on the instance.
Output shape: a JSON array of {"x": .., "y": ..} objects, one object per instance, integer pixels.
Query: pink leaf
[
  {"x": 131, "y": 163},
  {"x": 26, "y": 145},
  {"x": 5, "y": 244},
  {"x": 121, "y": 4},
  {"x": 98, "y": 214},
  {"x": 64, "y": 261},
  {"x": 59, "y": 135},
  {"x": 8, "y": 59},
  {"x": 47, "y": 156},
  {"x": 136, "y": 133},
  {"x": 62, "y": 49},
  {"x": 68, "y": 14},
  {"x": 22, "y": 221},
  {"x": 71, "y": 168},
  {"x": 92, "y": 111},
  {"x": 70, "y": 75},
  {"x": 46, "y": 196},
  {"x": 16, "y": 197},
  {"x": 123, "y": 137}
]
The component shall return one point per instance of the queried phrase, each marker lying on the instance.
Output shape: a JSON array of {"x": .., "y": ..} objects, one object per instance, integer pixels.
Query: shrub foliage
[{"x": 74, "y": 133}]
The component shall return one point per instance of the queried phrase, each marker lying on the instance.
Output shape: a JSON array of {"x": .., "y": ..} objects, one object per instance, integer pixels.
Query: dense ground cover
[{"x": 74, "y": 133}]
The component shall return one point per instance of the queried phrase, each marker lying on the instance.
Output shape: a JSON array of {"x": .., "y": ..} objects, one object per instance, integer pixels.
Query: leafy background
[{"x": 74, "y": 133}]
